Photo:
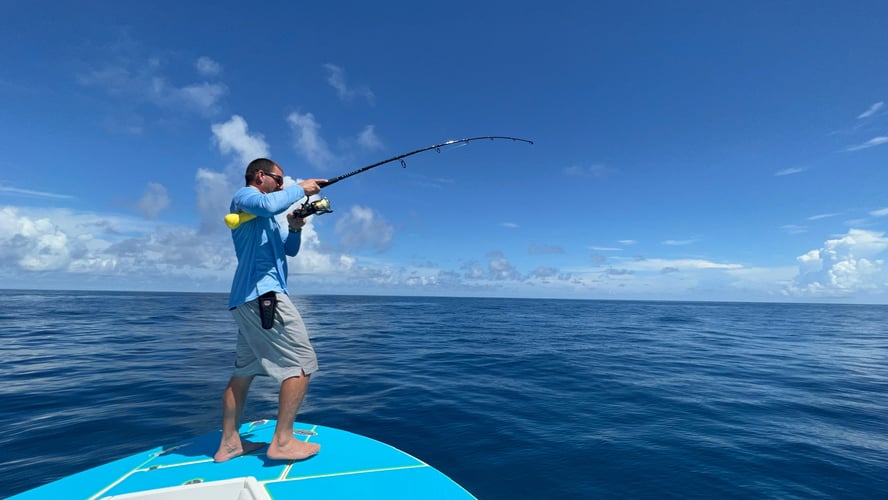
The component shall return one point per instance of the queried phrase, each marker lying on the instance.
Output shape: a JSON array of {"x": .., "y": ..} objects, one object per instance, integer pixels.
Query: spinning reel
[{"x": 317, "y": 207}]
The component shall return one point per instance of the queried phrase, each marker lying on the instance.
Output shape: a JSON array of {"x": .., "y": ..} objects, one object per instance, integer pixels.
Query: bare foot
[
  {"x": 227, "y": 451},
  {"x": 292, "y": 450}
]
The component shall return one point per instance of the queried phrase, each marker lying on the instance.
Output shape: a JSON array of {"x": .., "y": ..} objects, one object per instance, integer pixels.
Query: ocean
[{"x": 512, "y": 398}]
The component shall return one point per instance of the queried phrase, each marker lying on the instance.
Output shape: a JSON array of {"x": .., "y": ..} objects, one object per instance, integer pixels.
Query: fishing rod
[{"x": 322, "y": 206}]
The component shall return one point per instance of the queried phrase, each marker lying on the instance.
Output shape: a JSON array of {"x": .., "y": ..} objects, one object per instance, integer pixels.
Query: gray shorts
[{"x": 282, "y": 352}]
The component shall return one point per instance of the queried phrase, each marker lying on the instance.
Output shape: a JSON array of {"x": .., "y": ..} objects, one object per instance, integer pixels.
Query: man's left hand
[{"x": 295, "y": 223}]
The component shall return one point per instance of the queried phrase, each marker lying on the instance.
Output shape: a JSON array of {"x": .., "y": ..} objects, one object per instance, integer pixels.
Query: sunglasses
[{"x": 277, "y": 178}]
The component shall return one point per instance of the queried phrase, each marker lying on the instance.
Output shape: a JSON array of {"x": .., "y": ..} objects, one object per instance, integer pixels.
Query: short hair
[{"x": 263, "y": 164}]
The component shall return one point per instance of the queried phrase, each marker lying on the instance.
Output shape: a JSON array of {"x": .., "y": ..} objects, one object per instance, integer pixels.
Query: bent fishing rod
[{"x": 322, "y": 206}]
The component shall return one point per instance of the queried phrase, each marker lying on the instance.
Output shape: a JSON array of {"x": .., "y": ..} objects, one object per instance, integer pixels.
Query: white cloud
[
  {"x": 789, "y": 171},
  {"x": 234, "y": 137},
  {"x": 316, "y": 258},
  {"x": 203, "y": 97},
  {"x": 536, "y": 249},
  {"x": 679, "y": 242},
  {"x": 499, "y": 267},
  {"x": 214, "y": 191},
  {"x": 207, "y": 67},
  {"x": 548, "y": 273},
  {"x": 32, "y": 244},
  {"x": 627, "y": 242},
  {"x": 821, "y": 216},
  {"x": 336, "y": 79},
  {"x": 363, "y": 227},
  {"x": 509, "y": 225},
  {"x": 127, "y": 74},
  {"x": 612, "y": 272},
  {"x": 368, "y": 138},
  {"x": 30, "y": 193},
  {"x": 875, "y": 141},
  {"x": 154, "y": 201},
  {"x": 843, "y": 266},
  {"x": 308, "y": 141},
  {"x": 872, "y": 110},
  {"x": 882, "y": 212},
  {"x": 99, "y": 246},
  {"x": 656, "y": 265}
]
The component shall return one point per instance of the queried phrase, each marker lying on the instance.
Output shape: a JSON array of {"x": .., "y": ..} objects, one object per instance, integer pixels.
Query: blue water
[{"x": 511, "y": 398}]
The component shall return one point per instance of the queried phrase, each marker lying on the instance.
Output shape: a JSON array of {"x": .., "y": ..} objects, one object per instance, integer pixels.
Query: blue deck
[{"x": 348, "y": 466}]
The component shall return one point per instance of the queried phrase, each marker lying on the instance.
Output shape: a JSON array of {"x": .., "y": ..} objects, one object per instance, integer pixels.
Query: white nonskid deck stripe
[
  {"x": 289, "y": 466},
  {"x": 121, "y": 479},
  {"x": 178, "y": 464},
  {"x": 345, "y": 473}
]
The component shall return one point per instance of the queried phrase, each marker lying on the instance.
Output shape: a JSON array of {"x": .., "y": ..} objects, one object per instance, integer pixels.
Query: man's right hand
[{"x": 311, "y": 186}]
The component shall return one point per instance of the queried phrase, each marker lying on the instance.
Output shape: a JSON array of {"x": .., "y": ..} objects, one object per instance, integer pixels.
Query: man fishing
[{"x": 271, "y": 340}]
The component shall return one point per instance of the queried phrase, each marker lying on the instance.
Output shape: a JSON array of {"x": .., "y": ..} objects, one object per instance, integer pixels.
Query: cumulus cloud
[
  {"x": 315, "y": 257},
  {"x": 472, "y": 271},
  {"x": 544, "y": 250},
  {"x": 613, "y": 272},
  {"x": 843, "y": 266},
  {"x": 154, "y": 201},
  {"x": 128, "y": 74},
  {"x": 336, "y": 79},
  {"x": 233, "y": 137},
  {"x": 207, "y": 67},
  {"x": 82, "y": 243},
  {"x": 499, "y": 267},
  {"x": 544, "y": 272},
  {"x": 308, "y": 141},
  {"x": 214, "y": 191},
  {"x": 203, "y": 97},
  {"x": 363, "y": 227},
  {"x": 32, "y": 244},
  {"x": 368, "y": 138}
]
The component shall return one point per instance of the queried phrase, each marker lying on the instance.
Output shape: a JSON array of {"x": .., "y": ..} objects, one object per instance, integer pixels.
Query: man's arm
[
  {"x": 294, "y": 234},
  {"x": 270, "y": 204}
]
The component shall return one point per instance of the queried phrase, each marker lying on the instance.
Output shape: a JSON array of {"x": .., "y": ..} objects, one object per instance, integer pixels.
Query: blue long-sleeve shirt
[{"x": 260, "y": 244}]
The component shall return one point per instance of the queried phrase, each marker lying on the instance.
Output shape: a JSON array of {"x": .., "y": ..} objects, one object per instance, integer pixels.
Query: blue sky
[{"x": 683, "y": 150}]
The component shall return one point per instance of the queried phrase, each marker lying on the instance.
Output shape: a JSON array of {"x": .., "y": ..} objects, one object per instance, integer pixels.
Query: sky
[{"x": 687, "y": 150}]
